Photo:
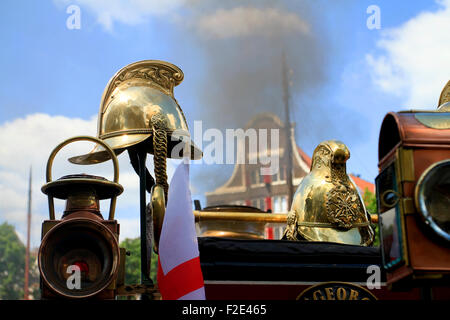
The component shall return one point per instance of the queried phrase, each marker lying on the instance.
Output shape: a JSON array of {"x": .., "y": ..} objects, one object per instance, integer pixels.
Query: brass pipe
[
  {"x": 249, "y": 216},
  {"x": 240, "y": 216},
  {"x": 222, "y": 216}
]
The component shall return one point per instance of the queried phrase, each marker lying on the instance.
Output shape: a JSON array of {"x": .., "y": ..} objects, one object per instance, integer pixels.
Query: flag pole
[
  {"x": 288, "y": 128},
  {"x": 146, "y": 241},
  {"x": 27, "y": 251}
]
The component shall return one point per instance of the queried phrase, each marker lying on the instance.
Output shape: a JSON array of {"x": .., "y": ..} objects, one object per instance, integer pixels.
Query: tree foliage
[
  {"x": 370, "y": 200},
  {"x": 12, "y": 265},
  {"x": 133, "y": 261}
]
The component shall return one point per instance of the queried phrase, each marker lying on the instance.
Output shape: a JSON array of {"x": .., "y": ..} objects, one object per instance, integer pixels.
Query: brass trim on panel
[
  {"x": 405, "y": 165},
  {"x": 407, "y": 206},
  {"x": 401, "y": 155},
  {"x": 433, "y": 120}
]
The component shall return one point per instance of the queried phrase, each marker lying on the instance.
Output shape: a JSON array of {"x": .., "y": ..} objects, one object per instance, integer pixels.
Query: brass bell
[
  {"x": 133, "y": 96},
  {"x": 327, "y": 205}
]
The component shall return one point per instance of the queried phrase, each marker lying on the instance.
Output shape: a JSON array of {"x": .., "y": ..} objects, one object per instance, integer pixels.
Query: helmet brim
[
  {"x": 354, "y": 236},
  {"x": 119, "y": 143}
]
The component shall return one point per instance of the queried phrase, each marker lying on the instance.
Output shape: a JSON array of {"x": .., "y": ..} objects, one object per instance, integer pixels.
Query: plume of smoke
[
  {"x": 243, "y": 47},
  {"x": 243, "y": 44}
]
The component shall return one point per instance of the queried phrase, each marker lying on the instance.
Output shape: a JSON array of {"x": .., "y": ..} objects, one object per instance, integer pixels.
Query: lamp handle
[{"x": 51, "y": 204}]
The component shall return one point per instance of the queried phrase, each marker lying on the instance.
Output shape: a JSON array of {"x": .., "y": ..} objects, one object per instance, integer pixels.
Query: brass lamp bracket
[{"x": 159, "y": 209}]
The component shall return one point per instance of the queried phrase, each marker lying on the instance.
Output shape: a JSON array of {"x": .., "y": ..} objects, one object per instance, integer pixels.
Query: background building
[{"x": 247, "y": 186}]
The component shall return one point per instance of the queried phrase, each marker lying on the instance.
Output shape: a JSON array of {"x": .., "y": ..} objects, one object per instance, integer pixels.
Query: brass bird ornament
[{"x": 327, "y": 205}]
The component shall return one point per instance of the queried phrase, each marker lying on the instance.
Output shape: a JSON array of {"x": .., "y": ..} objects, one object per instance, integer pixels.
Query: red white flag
[{"x": 179, "y": 274}]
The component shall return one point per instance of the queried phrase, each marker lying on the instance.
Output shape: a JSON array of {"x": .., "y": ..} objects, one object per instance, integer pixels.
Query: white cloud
[
  {"x": 28, "y": 142},
  {"x": 415, "y": 61},
  {"x": 223, "y": 23},
  {"x": 129, "y": 228},
  {"x": 32, "y": 138},
  {"x": 248, "y": 21},
  {"x": 124, "y": 11}
]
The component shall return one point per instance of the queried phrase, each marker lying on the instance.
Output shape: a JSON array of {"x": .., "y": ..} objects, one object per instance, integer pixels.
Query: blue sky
[
  {"x": 60, "y": 74},
  {"x": 65, "y": 70}
]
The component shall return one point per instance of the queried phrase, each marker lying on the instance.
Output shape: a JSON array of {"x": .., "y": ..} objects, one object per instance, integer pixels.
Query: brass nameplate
[{"x": 336, "y": 291}]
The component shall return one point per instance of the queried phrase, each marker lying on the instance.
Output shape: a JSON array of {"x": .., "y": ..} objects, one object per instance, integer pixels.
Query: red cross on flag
[{"x": 179, "y": 274}]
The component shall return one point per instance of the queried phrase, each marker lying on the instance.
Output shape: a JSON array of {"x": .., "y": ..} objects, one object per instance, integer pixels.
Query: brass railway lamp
[{"x": 82, "y": 243}]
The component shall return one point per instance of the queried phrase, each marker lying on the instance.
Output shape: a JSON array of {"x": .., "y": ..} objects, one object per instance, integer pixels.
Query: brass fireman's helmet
[
  {"x": 444, "y": 99},
  {"x": 132, "y": 97},
  {"x": 327, "y": 205}
]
